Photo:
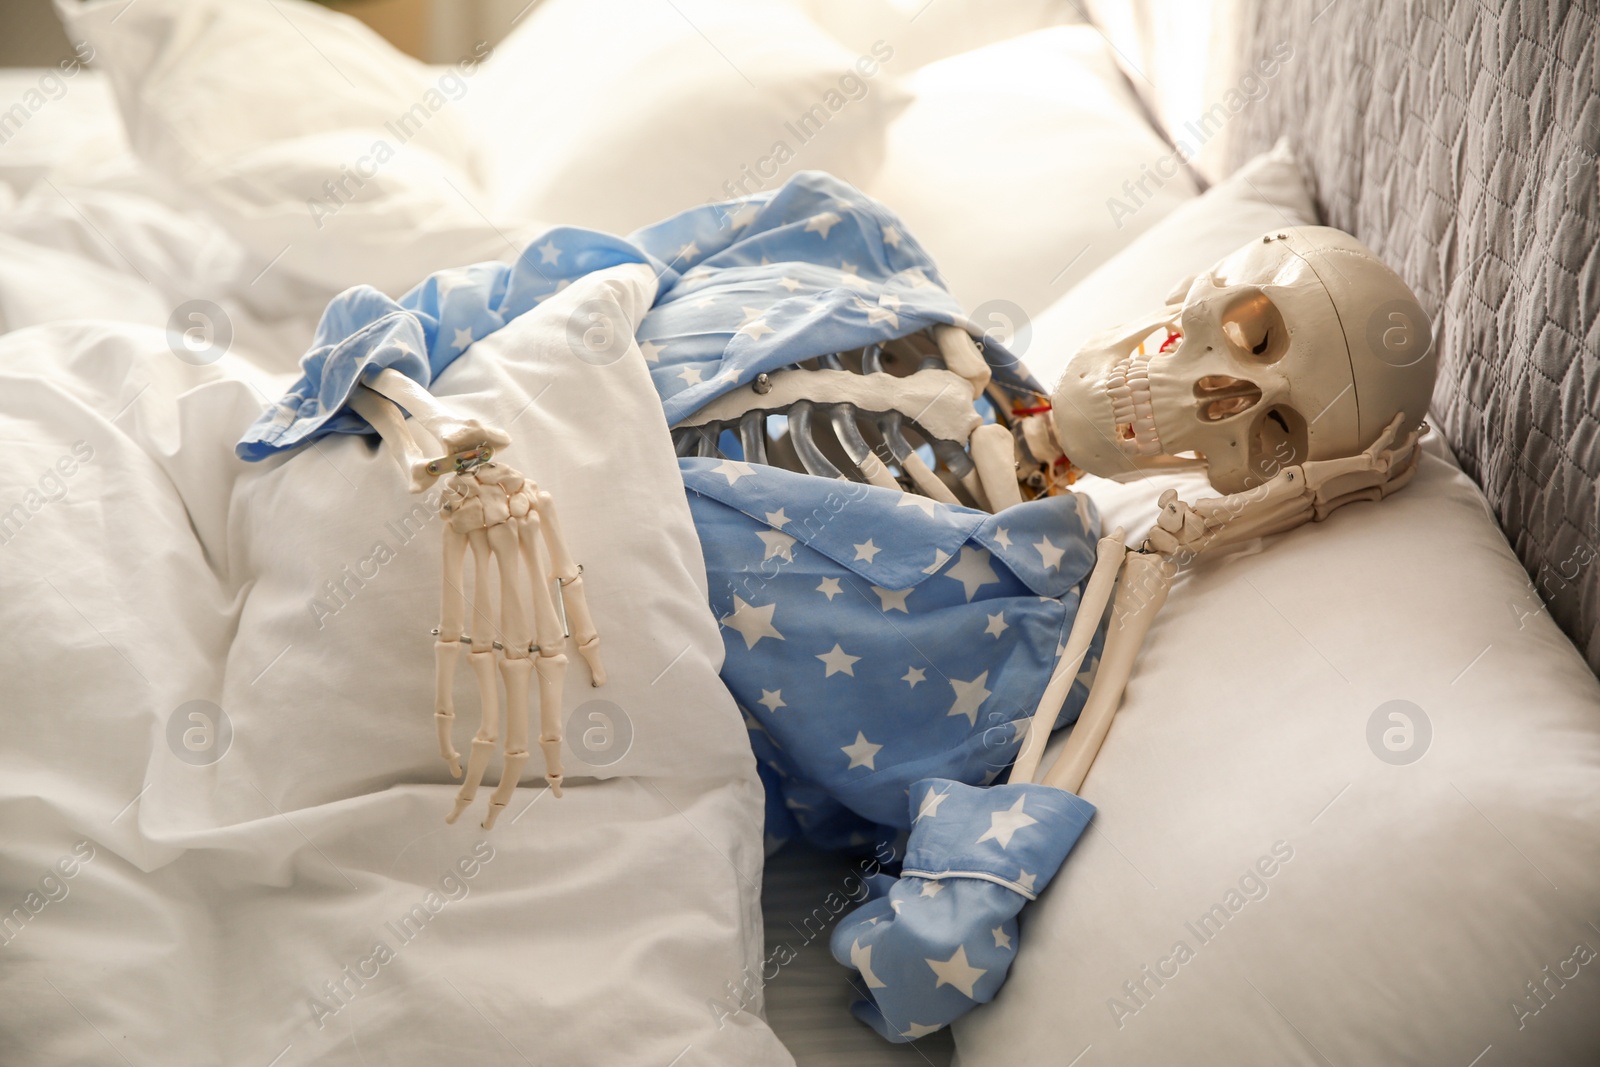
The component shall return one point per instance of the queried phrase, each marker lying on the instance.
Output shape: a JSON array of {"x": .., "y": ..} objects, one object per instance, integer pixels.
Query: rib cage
[{"x": 842, "y": 440}]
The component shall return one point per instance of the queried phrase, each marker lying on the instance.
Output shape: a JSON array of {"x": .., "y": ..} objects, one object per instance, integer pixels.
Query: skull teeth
[{"x": 1128, "y": 388}]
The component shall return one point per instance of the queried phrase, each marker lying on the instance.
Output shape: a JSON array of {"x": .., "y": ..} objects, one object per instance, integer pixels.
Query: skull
[{"x": 1300, "y": 346}]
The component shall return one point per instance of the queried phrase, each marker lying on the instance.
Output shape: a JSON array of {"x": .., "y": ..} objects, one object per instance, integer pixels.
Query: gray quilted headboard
[{"x": 1460, "y": 142}]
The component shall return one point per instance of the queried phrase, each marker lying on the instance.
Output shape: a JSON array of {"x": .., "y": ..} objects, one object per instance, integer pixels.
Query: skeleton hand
[
  {"x": 502, "y": 515},
  {"x": 1373, "y": 475},
  {"x": 507, "y": 519},
  {"x": 1309, "y": 492}
]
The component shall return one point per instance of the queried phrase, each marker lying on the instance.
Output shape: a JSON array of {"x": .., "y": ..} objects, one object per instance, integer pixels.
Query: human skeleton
[{"x": 1296, "y": 371}]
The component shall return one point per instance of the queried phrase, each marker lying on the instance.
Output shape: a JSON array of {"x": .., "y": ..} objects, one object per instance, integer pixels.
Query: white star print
[
  {"x": 932, "y": 888},
  {"x": 930, "y": 805},
  {"x": 733, "y": 470},
  {"x": 1050, "y": 554},
  {"x": 743, "y": 217},
  {"x": 876, "y": 315},
  {"x": 892, "y": 599},
  {"x": 772, "y": 699},
  {"x": 1086, "y": 676},
  {"x": 861, "y": 960},
  {"x": 915, "y": 277},
  {"x": 862, "y": 753},
  {"x": 756, "y": 329},
  {"x": 897, "y": 905},
  {"x": 1001, "y": 938},
  {"x": 956, "y": 971},
  {"x": 1026, "y": 880},
  {"x": 889, "y": 300},
  {"x": 848, "y": 275},
  {"x": 839, "y": 661},
  {"x": 1003, "y": 824},
  {"x": 777, "y": 518},
  {"x": 790, "y": 284},
  {"x": 973, "y": 571},
  {"x": 916, "y": 1030},
  {"x": 914, "y": 675},
  {"x": 753, "y": 623},
  {"x": 940, "y": 556},
  {"x": 1001, "y": 537},
  {"x": 462, "y": 339},
  {"x": 652, "y": 351},
  {"x": 928, "y": 505},
  {"x": 703, "y": 303},
  {"x": 829, "y": 588},
  {"x": 822, "y": 223},
  {"x": 891, "y": 236},
  {"x": 690, "y": 375},
  {"x": 778, "y": 544},
  {"x": 997, "y": 623},
  {"x": 969, "y": 697},
  {"x": 449, "y": 280},
  {"x": 697, "y": 275},
  {"x": 866, "y": 550},
  {"x": 687, "y": 252},
  {"x": 548, "y": 252}
]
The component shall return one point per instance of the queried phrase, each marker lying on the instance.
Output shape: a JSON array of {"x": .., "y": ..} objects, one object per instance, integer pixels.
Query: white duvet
[{"x": 298, "y": 898}]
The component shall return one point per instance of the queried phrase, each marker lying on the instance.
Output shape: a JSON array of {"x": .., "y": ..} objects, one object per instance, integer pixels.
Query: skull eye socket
[{"x": 1255, "y": 328}]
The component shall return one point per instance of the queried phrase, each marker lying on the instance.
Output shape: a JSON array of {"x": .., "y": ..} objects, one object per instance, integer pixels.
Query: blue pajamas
[
  {"x": 875, "y": 638},
  {"x": 885, "y": 648}
]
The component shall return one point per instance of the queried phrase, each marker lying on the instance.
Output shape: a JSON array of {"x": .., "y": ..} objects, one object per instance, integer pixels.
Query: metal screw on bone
[{"x": 762, "y": 384}]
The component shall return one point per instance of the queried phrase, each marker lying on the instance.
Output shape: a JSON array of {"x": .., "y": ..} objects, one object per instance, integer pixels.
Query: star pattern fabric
[
  {"x": 888, "y": 669},
  {"x": 745, "y": 287},
  {"x": 937, "y": 941},
  {"x": 878, "y": 643}
]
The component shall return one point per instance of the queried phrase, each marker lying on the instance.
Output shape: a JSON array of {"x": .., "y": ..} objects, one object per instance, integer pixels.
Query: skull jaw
[
  {"x": 1088, "y": 430},
  {"x": 1093, "y": 427},
  {"x": 1096, "y": 430}
]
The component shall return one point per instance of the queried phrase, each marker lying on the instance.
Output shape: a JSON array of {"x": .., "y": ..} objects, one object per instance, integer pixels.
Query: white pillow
[
  {"x": 617, "y": 115},
  {"x": 332, "y": 156},
  {"x": 1366, "y": 753},
  {"x": 922, "y": 32},
  {"x": 1266, "y": 192},
  {"x": 230, "y": 892},
  {"x": 1006, "y": 163}
]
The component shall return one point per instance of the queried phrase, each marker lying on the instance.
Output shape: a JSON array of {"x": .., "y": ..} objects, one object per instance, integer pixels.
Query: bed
[{"x": 222, "y": 814}]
